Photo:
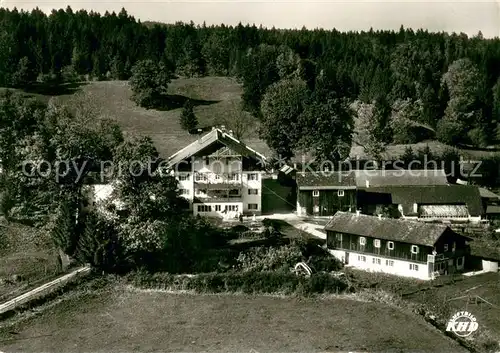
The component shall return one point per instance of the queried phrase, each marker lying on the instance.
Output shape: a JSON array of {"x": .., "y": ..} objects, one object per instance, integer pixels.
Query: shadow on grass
[
  {"x": 175, "y": 101},
  {"x": 54, "y": 89}
]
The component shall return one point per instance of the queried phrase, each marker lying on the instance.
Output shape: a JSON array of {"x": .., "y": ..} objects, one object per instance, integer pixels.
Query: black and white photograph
[{"x": 249, "y": 176}]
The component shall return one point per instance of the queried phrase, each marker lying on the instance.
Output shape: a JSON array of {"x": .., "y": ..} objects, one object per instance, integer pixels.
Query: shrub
[
  {"x": 270, "y": 259},
  {"x": 247, "y": 282}
]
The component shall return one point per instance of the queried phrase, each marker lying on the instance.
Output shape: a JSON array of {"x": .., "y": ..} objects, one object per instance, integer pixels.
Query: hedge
[{"x": 245, "y": 282}]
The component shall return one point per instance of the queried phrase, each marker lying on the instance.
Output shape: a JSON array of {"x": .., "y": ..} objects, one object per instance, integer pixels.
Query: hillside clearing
[
  {"x": 217, "y": 98},
  {"x": 124, "y": 320}
]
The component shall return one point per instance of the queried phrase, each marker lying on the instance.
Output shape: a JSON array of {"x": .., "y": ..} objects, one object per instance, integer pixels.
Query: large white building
[
  {"x": 396, "y": 246},
  {"x": 219, "y": 175}
]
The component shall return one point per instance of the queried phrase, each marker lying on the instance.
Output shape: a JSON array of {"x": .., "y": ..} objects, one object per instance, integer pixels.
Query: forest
[{"x": 404, "y": 86}]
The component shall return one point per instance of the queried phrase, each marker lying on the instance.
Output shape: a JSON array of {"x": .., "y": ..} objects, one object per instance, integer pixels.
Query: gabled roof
[
  {"x": 426, "y": 195},
  {"x": 216, "y": 135},
  {"x": 412, "y": 232},
  {"x": 487, "y": 194},
  {"x": 385, "y": 177},
  {"x": 326, "y": 180}
]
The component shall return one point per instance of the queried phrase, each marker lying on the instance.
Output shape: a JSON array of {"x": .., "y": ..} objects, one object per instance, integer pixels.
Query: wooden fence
[{"x": 43, "y": 290}]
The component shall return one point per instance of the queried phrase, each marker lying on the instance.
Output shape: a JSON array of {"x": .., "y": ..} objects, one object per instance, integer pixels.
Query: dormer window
[
  {"x": 414, "y": 249},
  {"x": 445, "y": 247},
  {"x": 390, "y": 245},
  {"x": 376, "y": 243},
  {"x": 362, "y": 241},
  {"x": 315, "y": 193},
  {"x": 340, "y": 193}
]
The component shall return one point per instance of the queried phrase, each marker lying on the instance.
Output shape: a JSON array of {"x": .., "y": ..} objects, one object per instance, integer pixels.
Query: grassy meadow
[
  {"x": 27, "y": 253},
  {"x": 216, "y": 99},
  {"x": 123, "y": 319}
]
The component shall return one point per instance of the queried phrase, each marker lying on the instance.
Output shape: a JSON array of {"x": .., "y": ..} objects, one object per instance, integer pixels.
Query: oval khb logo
[{"x": 462, "y": 324}]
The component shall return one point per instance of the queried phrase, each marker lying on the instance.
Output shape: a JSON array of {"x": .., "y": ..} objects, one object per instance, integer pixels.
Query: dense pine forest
[{"x": 405, "y": 86}]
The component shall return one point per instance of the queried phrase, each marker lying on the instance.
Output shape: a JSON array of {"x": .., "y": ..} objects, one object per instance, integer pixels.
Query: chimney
[
  {"x": 367, "y": 183},
  {"x": 358, "y": 212},
  {"x": 230, "y": 132},
  {"x": 223, "y": 128}
]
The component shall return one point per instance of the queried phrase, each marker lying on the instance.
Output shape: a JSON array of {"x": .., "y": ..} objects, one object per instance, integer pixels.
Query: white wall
[
  {"x": 219, "y": 214},
  {"x": 187, "y": 185},
  {"x": 235, "y": 166},
  {"x": 400, "y": 267},
  {"x": 252, "y": 184},
  {"x": 490, "y": 266}
]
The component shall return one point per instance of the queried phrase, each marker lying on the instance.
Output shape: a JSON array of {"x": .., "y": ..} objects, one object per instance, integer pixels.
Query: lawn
[
  {"x": 215, "y": 98},
  {"x": 27, "y": 253},
  {"x": 119, "y": 320}
]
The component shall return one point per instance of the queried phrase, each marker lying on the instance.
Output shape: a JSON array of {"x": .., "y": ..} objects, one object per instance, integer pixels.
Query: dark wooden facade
[
  {"x": 328, "y": 202},
  {"x": 457, "y": 247}
]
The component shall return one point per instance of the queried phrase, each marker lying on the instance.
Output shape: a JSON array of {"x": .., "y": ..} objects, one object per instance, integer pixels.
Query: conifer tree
[{"x": 188, "y": 119}]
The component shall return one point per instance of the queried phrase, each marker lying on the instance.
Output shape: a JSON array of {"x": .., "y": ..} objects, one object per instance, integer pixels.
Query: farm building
[
  {"x": 448, "y": 203},
  {"x": 324, "y": 193},
  {"x": 399, "y": 177},
  {"x": 401, "y": 247}
]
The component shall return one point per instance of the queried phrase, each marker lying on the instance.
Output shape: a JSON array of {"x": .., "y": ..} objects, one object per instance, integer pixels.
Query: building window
[
  {"x": 389, "y": 263},
  {"x": 413, "y": 267},
  {"x": 362, "y": 241},
  {"x": 183, "y": 177},
  {"x": 338, "y": 237},
  {"x": 234, "y": 192},
  {"x": 253, "y": 176},
  {"x": 217, "y": 208},
  {"x": 253, "y": 191},
  {"x": 234, "y": 177},
  {"x": 201, "y": 177},
  {"x": 315, "y": 193},
  {"x": 253, "y": 206},
  {"x": 184, "y": 191},
  {"x": 414, "y": 249},
  {"x": 201, "y": 191},
  {"x": 231, "y": 208},
  {"x": 204, "y": 208},
  {"x": 361, "y": 258},
  {"x": 460, "y": 261},
  {"x": 390, "y": 245},
  {"x": 340, "y": 193},
  {"x": 445, "y": 247},
  {"x": 377, "y": 261},
  {"x": 376, "y": 243}
]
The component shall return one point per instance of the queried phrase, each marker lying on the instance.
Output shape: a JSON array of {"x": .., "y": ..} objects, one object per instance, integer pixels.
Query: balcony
[
  {"x": 218, "y": 193},
  {"x": 215, "y": 178}
]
